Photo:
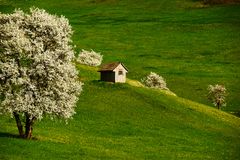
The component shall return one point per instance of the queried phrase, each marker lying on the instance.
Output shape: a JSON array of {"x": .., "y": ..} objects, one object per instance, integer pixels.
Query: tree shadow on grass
[{"x": 8, "y": 135}]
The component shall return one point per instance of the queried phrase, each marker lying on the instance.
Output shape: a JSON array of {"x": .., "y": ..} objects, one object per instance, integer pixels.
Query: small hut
[{"x": 113, "y": 72}]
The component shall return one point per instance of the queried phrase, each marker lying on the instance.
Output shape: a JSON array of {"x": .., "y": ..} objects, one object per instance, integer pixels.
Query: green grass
[
  {"x": 189, "y": 44},
  {"x": 119, "y": 121}
]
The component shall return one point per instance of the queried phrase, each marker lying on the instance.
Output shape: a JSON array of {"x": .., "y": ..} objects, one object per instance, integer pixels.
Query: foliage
[
  {"x": 153, "y": 80},
  {"x": 36, "y": 72},
  {"x": 217, "y": 95},
  {"x": 90, "y": 58}
]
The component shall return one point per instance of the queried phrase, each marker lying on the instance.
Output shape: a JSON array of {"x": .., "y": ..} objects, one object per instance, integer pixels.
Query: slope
[
  {"x": 189, "y": 44},
  {"x": 119, "y": 121}
]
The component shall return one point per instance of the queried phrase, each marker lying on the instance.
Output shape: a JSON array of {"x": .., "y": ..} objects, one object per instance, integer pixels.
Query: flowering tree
[
  {"x": 153, "y": 80},
  {"x": 217, "y": 95},
  {"x": 37, "y": 76},
  {"x": 90, "y": 58}
]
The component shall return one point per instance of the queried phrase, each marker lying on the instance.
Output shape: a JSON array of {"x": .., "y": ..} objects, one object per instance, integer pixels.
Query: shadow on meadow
[{"x": 8, "y": 135}]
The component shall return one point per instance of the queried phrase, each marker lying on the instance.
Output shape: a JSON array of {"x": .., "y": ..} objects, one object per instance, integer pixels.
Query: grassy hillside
[
  {"x": 119, "y": 121},
  {"x": 190, "y": 44}
]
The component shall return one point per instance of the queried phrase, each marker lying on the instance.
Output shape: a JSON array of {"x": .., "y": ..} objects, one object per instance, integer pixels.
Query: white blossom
[
  {"x": 37, "y": 75},
  {"x": 90, "y": 58},
  {"x": 217, "y": 95},
  {"x": 153, "y": 80}
]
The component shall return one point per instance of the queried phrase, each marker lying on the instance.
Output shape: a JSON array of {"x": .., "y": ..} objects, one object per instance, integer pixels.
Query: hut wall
[{"x": 120, "y": 74}]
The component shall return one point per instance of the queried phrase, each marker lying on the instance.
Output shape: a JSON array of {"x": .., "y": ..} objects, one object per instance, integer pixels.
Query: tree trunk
[
  {"x": 19, "y": 124},
  {"x": 218, "y": 105},
  {"x": 29, "y": 126}
]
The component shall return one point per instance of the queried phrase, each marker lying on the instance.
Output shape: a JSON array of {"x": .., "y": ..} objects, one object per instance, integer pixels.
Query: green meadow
[
  {"x": 120, "y": 121},
  {"x": 191, "y": 45}
]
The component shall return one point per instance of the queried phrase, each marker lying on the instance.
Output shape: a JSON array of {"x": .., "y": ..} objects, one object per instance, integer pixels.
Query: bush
[
  {"x": 90, "y": 58},
  {"x": 153, "y": 80},
  {"x": 217, "y": 95}
]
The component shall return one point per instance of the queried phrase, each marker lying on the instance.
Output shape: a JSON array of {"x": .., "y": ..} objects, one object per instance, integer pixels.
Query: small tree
[
  {"x": 90, "y": 58},
  {"x": 37, "y": 76},
  {"x": 153, "y": 80},
  {"x": 217, "y": 95}
]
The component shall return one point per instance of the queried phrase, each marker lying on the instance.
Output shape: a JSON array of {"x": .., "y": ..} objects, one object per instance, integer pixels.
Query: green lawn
[
  {"x": 119, "y": 121},
  {"x": 190, "y": 45}
]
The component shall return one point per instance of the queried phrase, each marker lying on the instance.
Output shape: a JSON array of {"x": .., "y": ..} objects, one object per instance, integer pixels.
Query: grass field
[
  {"x": 192, "y": 46},
  {"x": 189, "y": 44},
  {"x": 125, "y": 122}
]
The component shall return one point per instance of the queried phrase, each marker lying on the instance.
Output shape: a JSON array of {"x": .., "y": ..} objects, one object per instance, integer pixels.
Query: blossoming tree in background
[
  {"x": 37, "y": 76},
  {"x": 153, "y": 80},
  {"x": 217, "y": 95},
  {"x": 90, "y": 58}
]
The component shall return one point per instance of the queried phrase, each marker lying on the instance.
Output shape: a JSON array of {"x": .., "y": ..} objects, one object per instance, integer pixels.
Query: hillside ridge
[{"x": 196, "y": 106}]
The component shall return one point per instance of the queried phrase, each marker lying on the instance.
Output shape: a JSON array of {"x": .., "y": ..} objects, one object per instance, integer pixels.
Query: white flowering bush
[
  {"x": 217, "y": 95},
  {"x": 37, "y": 76},
  {"x": 153, "y": 80},
  {"x": 90, "y": 58}
]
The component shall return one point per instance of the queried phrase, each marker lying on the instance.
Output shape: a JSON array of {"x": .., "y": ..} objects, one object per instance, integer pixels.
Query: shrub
[
  {"x": 217, "y": 95},
  {"x": 153, "y": 80},
  {"x": 90, "y": 58}
]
